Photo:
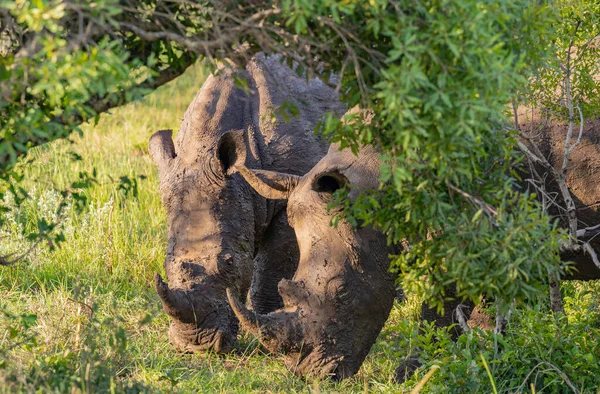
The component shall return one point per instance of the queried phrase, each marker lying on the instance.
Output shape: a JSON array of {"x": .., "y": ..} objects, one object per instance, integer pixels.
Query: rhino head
[
  {"x": 211, "y": 218},
  {"x": 342, "y": 292}
]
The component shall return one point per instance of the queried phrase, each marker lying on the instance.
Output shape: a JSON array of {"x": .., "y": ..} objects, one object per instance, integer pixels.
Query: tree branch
[
  {"x": 489, "y": 210},
  {"x": 100, "y": 105}
]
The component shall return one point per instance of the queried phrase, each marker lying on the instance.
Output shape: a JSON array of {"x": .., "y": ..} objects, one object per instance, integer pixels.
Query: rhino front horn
[
  {"x": 175, "y": 302},
  {"x": 248, "y": 319},
  {"x": 277, "y": 331}
]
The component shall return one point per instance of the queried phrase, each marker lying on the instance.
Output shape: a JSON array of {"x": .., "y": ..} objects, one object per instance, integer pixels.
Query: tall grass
[{"x": 85, "y": 317}]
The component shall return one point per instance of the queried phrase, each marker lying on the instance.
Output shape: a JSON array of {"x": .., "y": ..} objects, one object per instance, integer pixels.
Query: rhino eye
[
  {"x": 344, "y": 295},
  {"x": 329, "y": 183}
]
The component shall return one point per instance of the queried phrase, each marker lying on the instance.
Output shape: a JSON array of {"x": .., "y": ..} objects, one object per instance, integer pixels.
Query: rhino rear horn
[
  {"x": 161, "y": 147},
  {"x": 270, "y": 184}
]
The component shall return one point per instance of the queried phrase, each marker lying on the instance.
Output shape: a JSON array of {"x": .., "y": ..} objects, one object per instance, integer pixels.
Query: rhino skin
[
  {"x": 342, "y": 292},
  {"x": 220, "y": 231},
  {"x": 583, "y": 181}
]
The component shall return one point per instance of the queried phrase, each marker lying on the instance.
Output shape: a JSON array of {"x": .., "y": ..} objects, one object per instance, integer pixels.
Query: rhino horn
[
  {"x": 175, "y": 302},
  {"x": 270, "y": 184},
  {"x": 249, "y": 320},
  {"x": 278, "y": 332}
]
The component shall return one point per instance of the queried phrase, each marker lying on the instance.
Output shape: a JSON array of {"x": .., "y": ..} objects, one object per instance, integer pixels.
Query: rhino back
[
  {"x": 583, "y": 180},
  {"x": 276, "y": 141}
]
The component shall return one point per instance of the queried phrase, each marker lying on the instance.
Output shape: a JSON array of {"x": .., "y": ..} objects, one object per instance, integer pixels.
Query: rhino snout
[{"x": 201, "y": 318}]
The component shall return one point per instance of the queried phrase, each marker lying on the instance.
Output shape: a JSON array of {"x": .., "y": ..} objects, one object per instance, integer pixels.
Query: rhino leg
[{"x": 277, "y": 259}]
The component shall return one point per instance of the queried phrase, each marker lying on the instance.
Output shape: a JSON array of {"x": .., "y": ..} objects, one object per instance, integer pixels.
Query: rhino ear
[
  {"x": 161, "y": 148},
  {"x": 231, "y": 150},
  {"x": 329, "y": 182},
  {"x": 270, "y": 184}
]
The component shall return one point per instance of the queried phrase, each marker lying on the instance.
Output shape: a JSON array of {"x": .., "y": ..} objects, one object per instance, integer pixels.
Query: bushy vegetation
[{"x": 85, "y": 317}]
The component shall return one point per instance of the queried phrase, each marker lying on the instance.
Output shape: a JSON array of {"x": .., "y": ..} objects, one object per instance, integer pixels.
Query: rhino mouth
[
  {"x": 305, "y": 354},
  {"x": 201, "y": 320},
  {"x": 319, "y": 363},
  {"x": 195, "y": 340}
]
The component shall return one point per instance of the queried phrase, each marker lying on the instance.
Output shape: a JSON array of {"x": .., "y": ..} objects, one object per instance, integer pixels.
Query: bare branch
[
  {"x": 461, "y": 318},
  {"x": 556, "y": 301},
  {"x": 588, "y": 248},
  {"x": 516, "y": 116},
  {"x": 554, "y": 368},
  {"x": 588, "y": 231},
  {"x": 10, "y": 260},
  {"x": 580, "y": 129},
  {"x": 489, "y": 210},
  {"x": 501, "y": 322},
  {"x": 234, "y": 33},
  {"x": 538, "y": 159}
]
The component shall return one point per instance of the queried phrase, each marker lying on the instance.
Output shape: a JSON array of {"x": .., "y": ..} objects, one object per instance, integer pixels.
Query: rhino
[
  {"x": 221, "y": 233},
  {"x": 342, "y": 291}
]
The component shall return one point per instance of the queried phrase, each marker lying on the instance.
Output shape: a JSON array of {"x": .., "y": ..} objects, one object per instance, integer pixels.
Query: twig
[
  {"x": 588, "y": 248},
  {"x": 561, "y": 179},
  {"x": 553, "y": 367},
  {"x": 6, "y": 260},
  {"x": 556, "y": 301},
  {"x": 489, "y": 210},
  {"x": 516, "y": 116},
  {"x": 501, "y": 322},
  {"x": 584, "y": 231}
]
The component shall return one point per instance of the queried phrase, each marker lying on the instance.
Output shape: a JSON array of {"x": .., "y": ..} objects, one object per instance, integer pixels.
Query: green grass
[{"x": 85, "y": 317}]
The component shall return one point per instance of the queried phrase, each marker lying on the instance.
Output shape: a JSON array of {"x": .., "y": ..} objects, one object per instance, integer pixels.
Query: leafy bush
[{"x": 540, "y": 352}]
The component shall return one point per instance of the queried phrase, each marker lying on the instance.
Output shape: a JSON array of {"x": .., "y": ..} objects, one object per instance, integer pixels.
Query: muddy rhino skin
[
  {"x": 342, "y": 292},
  {"x": 219, "y": 230}
]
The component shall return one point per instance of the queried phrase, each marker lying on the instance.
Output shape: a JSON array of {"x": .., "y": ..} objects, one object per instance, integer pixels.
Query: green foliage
[
  {"x": 538, "y": 349},
  {"x": 438, "y": 99},
  {"x": 437, "y": 75},
  {"x": 575, "y": 57},
  {"x": 61, "y": 66},
  {"x": 84, "y": 365},
  {"x": 48, "y": 87},
  {"x": 115, "y": 244}
]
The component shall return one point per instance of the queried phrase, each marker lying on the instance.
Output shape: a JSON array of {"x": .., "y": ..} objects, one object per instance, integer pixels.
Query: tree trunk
[{"x": 556, "y": 301}]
